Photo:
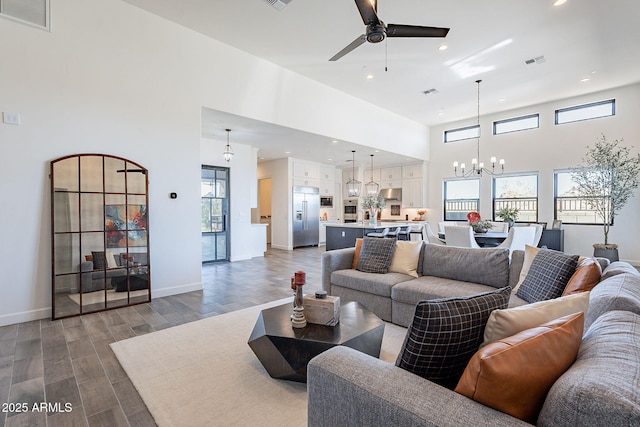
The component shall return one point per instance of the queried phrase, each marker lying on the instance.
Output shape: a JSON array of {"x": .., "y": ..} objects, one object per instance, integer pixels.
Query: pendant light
[
  {"x": 372, "y": 187},
  {"x": 477, "y": 169},
  {"x": 228, "y": 152},
  {"x": 353, "y": 185}
]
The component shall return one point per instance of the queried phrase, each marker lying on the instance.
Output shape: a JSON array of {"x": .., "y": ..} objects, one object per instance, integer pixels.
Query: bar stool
[
  {"x": 393, "y": 234},
  {"x": 380, "y": 234},
  {"x": 405, "y": 234},
  {"x": 417, "y": 231}
]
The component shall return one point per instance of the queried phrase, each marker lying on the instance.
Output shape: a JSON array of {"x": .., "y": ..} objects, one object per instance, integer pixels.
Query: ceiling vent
[
  {"x": 430, "y": 91},
  {"x": 536, "y": 60},
  {"x": 278, "y": 4}
]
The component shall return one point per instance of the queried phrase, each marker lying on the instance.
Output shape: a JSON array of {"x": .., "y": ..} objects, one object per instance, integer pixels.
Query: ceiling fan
[{"x": 377, "y": 31}]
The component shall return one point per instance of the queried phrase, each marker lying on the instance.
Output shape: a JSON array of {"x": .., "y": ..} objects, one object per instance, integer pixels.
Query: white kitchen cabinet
[
  {"x": 412, "y": 171},
  {"x": 390, "y": 183},
  {"x": 391, "y": 174},
  {"x": 308, "y": 170},
  {"x": 307, "y": 182},
  {"x": 322, "y": 238},
  {"x": 327, "y": 172},
  {"x": 412, "y": 193},
  {"x": 368, "y": 175}
]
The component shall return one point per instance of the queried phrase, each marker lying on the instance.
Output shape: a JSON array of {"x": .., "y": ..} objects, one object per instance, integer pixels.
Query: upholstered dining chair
[
  {"x": 517, "y": 239},
  {"x": 461, "y": 236},
  {"x": 539, "y": 229},
  {"x": 380, "y": 234},
  {"x": 499, "y": 226},
  {"x": 431, "y": 237}
]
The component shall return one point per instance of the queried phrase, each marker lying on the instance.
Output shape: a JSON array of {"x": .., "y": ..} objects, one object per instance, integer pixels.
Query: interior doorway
[
  {"x": 214, "y": 206},
  {"x": 264, "y": 204}
]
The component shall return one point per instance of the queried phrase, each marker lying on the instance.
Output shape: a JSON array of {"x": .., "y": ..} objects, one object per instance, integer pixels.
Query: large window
[
  {"x": 586, "y": 112},
  {"x": 32, "y": 12},
  {"x": 517, "y": 191},
  {"x": 570, "y": 208},
  {"x": 460, "y": 198}
]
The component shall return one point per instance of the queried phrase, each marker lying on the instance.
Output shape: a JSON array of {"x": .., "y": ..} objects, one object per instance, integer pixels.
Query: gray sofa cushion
[
  {"x": 618, "y": 267},
  {"x": 486, "y": 266},
  {"x": 376, "y": 255},
  {"x": 431, "y": 287},
  {"x": 445, "y": 334},
  {"x": 548, "y": 276},
  {"x": 619, "y": 292},
  {"x": 378, "y": 284},
  {"x": 601, "y": 387}
]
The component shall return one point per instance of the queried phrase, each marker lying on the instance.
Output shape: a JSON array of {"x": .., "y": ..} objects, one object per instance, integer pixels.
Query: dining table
[{"x": 485, "y": 240}]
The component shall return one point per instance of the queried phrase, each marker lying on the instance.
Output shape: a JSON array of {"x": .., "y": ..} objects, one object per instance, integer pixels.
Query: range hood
[{"x": 392, "y": 194}]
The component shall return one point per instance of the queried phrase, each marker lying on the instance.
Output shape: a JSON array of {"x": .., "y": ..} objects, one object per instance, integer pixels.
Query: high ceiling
[{"x": 489, "y": 40}]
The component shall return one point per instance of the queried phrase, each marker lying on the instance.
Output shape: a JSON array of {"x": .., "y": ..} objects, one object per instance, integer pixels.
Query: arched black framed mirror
[{"x": 100, "y": 234}]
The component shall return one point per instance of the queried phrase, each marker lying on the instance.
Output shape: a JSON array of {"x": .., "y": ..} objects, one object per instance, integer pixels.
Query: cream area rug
[
  {"x": 204, "y": 374},
  {"x": 98, "y": 296}
]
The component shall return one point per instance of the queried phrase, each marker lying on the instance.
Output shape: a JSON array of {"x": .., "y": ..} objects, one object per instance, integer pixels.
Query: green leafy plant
[
  {"x": 508, "y": 214},
  {"x": 481, "y": 226},
  {"x": 606, "y": 179},
  {"x": 373, "y": 202}
]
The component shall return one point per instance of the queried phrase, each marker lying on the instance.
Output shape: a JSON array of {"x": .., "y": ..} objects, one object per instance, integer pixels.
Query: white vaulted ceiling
[{"x": 488, "y": 40}]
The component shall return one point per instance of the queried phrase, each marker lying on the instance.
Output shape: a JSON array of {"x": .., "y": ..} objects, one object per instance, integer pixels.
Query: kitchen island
[{"x": 341, "y": 236}]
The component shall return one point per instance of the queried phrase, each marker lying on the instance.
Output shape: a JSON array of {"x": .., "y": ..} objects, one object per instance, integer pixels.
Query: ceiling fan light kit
[
  {"x": 376, "y": 30},
  {"x": 477, "y": 167}
]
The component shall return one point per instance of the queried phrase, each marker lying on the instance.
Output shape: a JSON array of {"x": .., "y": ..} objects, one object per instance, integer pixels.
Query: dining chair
[
  {"x": 518, "y": 238},
  {"x": 461, "y": 236},
  {"x": 539, "y": 229},
  {"x": 431, "y": 237},
  {"x": 499, "y": 226}
]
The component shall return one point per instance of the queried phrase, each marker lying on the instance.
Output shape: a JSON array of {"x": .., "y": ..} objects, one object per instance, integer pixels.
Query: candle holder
[{"x": 298, "y": 320}]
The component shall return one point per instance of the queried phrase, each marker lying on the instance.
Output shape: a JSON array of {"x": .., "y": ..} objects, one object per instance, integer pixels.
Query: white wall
[
  {"x": 544, "y": 150},
  {"x": 111, "y": 78}
]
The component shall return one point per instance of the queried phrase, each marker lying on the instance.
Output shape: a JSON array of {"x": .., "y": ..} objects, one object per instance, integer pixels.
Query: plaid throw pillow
[
  {"x": 376, "y": 255},
  {"x": 548, "y": 275},
  {"x": 99, "y": 260},
  {"x": 446, "y": 333}
]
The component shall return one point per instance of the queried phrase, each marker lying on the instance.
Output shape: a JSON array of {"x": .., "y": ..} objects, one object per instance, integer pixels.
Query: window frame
[
  {"x": 444, "y": 198},
  {"x": 537, "y": 197},
  {"x": 47, "y": 16},
  {"x": 585, "y": 106},
  {"x": 449, "y": 131},
  {"x": 556, "y": 197},
  {"x": 515, "y": 119}
]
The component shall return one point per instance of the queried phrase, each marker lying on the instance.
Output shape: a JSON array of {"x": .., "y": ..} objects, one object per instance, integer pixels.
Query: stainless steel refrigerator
[{"x": 306, "y": 216}]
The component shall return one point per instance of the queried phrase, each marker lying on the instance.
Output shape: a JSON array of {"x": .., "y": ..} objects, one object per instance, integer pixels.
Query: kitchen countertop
[{"x": 381, "y": 224}]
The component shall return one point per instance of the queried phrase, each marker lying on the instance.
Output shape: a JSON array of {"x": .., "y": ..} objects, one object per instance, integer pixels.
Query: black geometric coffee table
[{"x": 285, "y": 351}]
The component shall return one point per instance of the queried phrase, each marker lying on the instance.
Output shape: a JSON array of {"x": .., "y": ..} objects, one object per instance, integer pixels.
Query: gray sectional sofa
[
  {"x": 393, "y": 296},
  {"x": 601, "y": 388}
]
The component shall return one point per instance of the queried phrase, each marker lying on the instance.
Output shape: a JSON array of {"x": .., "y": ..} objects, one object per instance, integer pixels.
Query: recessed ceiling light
[
  {"x": 585, "y": 79},
  {"x": 594, "y": 71},
  {"x": 369, "y": 76},
  {"x": 287, "y": 152},
  {"x": 443, "y": 47},
  {"x": 330, "y": 160},
  {"x": 335, "y": 141},
  {"x": 440, "y": 113},
  {"x": 502, "y": 99},
  {"x": 559, "y": 2}
]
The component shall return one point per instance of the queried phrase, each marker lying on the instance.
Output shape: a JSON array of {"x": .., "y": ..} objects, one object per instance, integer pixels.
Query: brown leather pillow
[
  {"x": 356, "y": 254},
  {"x": 514, "y": 374},
  {"x": 586, "y": 277}
]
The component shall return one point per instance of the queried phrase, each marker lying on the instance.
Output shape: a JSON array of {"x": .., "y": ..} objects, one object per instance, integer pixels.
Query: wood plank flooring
[{"x": 70, "y": 360}]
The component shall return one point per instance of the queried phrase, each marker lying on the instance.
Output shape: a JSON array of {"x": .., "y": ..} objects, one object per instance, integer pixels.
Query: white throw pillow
[
  {"x": 530, "y": 253},
  {"x": 405, "y": 258},
  {"x": 111, "y": 261},
  {"x": 510, "y": 321}
]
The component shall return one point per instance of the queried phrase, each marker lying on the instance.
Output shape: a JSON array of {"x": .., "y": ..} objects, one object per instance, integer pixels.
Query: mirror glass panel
[{"x": 100, "y": 235}]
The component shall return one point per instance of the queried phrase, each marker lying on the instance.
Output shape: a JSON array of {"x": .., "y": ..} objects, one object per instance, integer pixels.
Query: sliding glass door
[{"x": 214, "y": 193}]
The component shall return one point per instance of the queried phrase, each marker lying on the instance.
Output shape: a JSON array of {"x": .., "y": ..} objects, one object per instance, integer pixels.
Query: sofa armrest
[
  {"x": 339, "y": 259},
  {"x": 348, "y": 388},
  {"x": 517, "y": 260}
]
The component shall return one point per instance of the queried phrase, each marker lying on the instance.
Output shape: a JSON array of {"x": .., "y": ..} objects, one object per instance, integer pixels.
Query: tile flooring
[{"x": 70, "y": 360}]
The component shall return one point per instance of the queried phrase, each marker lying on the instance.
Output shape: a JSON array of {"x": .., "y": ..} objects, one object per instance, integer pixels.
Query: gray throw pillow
[
  {"x": 99, "y": 260},
  {"x": 376, "y": 255},
  {"x": 446, "y": 333},
  {"x": 548, "y": 276}
]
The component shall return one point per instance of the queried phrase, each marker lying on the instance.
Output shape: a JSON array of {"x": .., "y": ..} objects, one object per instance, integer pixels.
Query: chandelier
[
  {"x": 228, "y": 152},
  {"x": 353, "y": 185},
  {"x": 477, "y": 167},
  {"x": 372, "y": 187}
]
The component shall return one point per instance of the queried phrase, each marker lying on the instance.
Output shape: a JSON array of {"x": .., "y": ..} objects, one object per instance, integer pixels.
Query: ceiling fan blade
[
  {"x": 354, "y": 44},
  {"x": 394, "y": 30},
  {"x": 368, "y": 12}
]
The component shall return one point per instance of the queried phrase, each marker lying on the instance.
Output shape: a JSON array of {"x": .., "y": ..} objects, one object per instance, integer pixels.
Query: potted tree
[
  {"x": 606, "y": 180},
  {"x": 509, "y": 215}
]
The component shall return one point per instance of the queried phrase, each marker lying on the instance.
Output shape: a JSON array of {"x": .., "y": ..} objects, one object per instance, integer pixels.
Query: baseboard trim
[
  {"x": 284, "y": 248},
  {"x": 175, "y": 290},
  {"x": 25, "y": 316}
]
